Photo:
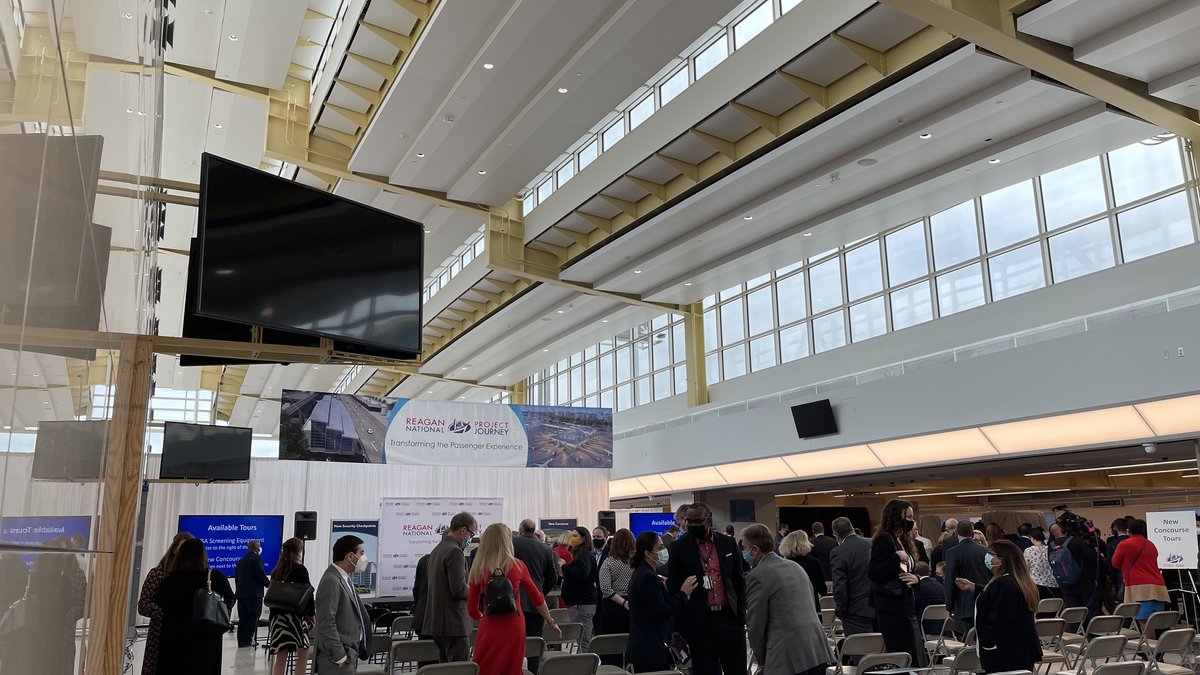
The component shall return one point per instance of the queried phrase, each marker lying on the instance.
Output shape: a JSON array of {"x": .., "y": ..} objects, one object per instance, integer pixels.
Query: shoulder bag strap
[{"x": 208, "y": 580}]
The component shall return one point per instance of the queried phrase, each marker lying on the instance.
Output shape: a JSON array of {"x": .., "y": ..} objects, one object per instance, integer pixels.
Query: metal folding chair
[
  {"x": 569, "y": 642},
  {"x": 1101, "y": 648},
  {"x": 1178, "y": 641},
  {"x": 570, "y": 664},
  {"x": 859, "y": 645},
  {"x": 1099, "y": 626},
  {"x": 453, "y": 668},
  {"x": 610, "y": 645}
]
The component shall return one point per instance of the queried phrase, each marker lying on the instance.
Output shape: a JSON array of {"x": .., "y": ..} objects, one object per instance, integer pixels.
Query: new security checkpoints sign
[{"x": 319, "y": 426}]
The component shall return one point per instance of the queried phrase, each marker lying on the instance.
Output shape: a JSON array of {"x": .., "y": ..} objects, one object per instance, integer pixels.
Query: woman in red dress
[{"x": 500, "y": 644}]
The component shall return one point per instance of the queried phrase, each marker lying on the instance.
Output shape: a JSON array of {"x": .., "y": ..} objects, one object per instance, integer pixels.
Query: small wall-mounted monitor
[
  {"x": 204, "y": 453},
  {"x": 814, "y": 419},
  {"x": 69, "y": 451}
]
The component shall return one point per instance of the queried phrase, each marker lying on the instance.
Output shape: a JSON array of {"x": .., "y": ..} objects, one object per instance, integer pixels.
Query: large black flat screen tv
[
  {"x": 205, "y": 453},
  {"x": 69, "y": 451},
  {"x": 282, "y": 255}
]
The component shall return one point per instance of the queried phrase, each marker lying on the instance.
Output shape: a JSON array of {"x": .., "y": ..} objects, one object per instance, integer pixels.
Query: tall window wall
[{"x": 1093, "y": 215}]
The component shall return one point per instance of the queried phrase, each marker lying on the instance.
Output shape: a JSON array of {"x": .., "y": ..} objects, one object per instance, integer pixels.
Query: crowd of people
[{"x": 690, "y": 596}]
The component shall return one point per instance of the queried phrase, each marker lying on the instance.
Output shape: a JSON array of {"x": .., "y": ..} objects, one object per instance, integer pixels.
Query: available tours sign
[
  {"x": 352, "y": 428},
  {"x": 1174, "y": 535}
]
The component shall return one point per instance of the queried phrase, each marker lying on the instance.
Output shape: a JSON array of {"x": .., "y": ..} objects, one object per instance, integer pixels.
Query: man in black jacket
[
  {"x": 822, "y": 545},
  {"x": 938, "y": 554},
  {"x": 714, "y": 620},
  {"x": 251, "y": 581},
  {"x": 1086, "y": 591},
  {"x": 965, "y": 561},
  {"x": 543, "y": 570}
]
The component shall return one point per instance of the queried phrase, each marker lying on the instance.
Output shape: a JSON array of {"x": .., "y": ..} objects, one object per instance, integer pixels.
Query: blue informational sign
[
  {"x": 38, "y": 530},
  {"x": 650, "y": 522},
  {"x": 225, "y": 538}
]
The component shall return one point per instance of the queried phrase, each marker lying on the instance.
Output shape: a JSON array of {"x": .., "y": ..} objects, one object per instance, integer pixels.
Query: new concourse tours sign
[
  {"x": 1174, "y": 535},
  {"x": 352, "y": 428}
]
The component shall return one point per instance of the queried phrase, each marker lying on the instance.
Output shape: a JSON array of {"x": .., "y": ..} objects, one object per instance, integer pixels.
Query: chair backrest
[
  {"x": 1103, "y": 647},
  {"x": 571, "y": 632},
  {"x": 380, "y": 644},
  {"x": 535, "y": 647},
  {"x": 1177, "y": 641},
  {"x": 1160, "y": 621},
  {"x": 828, "y": 616},
  {"x": 828, "y": 602},
  {"x": 402, "y": 624},
  {"x": 969, "y": 640},
  {"x": 609, "y": 645},
  {"x": 1107, "y": 624},
  {"x": 560, "y": 615},
  {"x": 862, "y": 644},
  {"x": 967, "y": 660},
  {"x": 1128, "y": 610},
  {"x": 898, "y": 659},
  {"x": 1050, "y": 628},
  {"x": 384, "y": 621},
  {"x": 1051, "y": 606},
  {"x": 663, "y": 672},
  {"x": 934, "y": 613},
  {"x": 570, "y": 664},
  {"x": 1074, "y": 616},
  {"x": 1121, "y": 668},
  {"x": 453, "y": 668},
  {"x": 413, "y": 651}
]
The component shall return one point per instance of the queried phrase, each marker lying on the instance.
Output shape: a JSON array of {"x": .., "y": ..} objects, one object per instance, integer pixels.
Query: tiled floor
[{"x": 233, "y": 660}]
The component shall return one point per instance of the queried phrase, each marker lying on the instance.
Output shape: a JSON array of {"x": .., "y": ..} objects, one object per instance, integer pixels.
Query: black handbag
[
  {"x": 209, "y": 611},
  {"x": 289, "y": 598}
]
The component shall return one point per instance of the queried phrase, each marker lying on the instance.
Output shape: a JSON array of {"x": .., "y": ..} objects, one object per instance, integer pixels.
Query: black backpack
[{"x": 500, "y": 596}]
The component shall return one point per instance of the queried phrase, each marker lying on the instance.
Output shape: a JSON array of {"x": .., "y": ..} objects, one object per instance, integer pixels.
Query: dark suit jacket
[
  {"x": 446, "y": 607},
  {"x": 939, "y": 551},
  {"x": 1007, "y": 635},
  {"x": 822, "y": 547},
  {"x": 851, "y": 587},
  {"x": 250, "y": 577},
  {"x": 930, "y": 591},
  {"x": 652, "y": 614},
  {"x": 884, "y": 568},
  {"x": 420, "y": 594},
  {"x": 965, "y": 561},
  {"x": 541, "y": 563},
  {"x": 685, "y": 562}
]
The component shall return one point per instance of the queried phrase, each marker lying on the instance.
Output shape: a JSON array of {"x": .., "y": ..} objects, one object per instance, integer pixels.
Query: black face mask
[
  {"x": 907, "y": 525},
  {"x": 698, "y": 531},
  {"x": 598, "y": 544}
]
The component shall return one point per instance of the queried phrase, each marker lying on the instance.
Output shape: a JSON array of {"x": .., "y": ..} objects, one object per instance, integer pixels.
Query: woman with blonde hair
[
  {"x": 797, "y": 547},
  {"x": 500, "y": 644},
  {"x": 1005, "y": 611}
]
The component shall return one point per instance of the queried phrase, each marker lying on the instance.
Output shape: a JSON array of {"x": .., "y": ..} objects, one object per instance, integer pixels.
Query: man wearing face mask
[
  {"x": 446, "y": 617},
  {"x": 713, "y": 622},
  {"x": 785, "y": 630},
  {"x": 965, "y": 561},
  {"x": 342, "y": 626}
]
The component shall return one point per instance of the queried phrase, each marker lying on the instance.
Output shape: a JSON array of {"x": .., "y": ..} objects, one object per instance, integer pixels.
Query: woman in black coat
[
  {"x": 185, "y": 649},
  {"x": 893, "y": 560},
  {"x": 1005, "y": 613},
  {"x": 579, "y": 587},
  {"x": 797, "y": 548},
  {"x": 652, "y": 609}
]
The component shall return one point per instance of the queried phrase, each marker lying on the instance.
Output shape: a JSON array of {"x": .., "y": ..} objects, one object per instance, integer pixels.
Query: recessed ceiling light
[
  {"x": 427, "y": 231},
  {"x": 637, "y": 271},
  {"x": 994, "y": 160},
  {"x": 233, "y": 37},
  {"x": 465, "y": 367},
  {"x": 219, "y": 126},
  {"x": 482, "y": 172},
  {"x": 603, "y": 320},
  {"x": 563, "y": 90},
  {"x": 545, "y": 350},
  {"x": 488, "y": 66},
  {"x": 816, "y": 185},
  {"x": 925, "y": 136},
  {"x": 129, "y": 110},
  {"x": 867, "y": 161},
  {"x": 747, "y": 217},
  {"x": 7, "y": 427},
  {"x": 128, "y": 15},
  {"x": 562, "y": 311},
  {"x": 420, "y": 154},
  {"x": 141, "y": 113},
  {"x": 314, "y": 367},
  {"x": 808, "y": 234},
  {"x": 687, "y": 283},
  {"x": 208, "y": 11},
  {"x": 499, "y": 374},
  {"x": 35, "y": 374}
]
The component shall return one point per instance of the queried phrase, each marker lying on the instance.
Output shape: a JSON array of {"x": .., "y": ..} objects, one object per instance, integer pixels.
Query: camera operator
[{"x": 1077, "y": 576}]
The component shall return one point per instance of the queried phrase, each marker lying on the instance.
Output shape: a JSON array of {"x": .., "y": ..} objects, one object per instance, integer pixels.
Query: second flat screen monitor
[
  {"x": 204, "y": 453},
  {"x": 279, "y": 254}
]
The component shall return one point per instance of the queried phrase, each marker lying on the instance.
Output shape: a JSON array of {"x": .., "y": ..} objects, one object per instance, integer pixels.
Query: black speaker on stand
[
  {"x": 305, "y": 526},
  {"x": 607, "y": 520}
]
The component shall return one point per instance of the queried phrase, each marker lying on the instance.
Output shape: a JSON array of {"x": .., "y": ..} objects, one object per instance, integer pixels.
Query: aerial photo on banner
[{"x": 319, "y": 426}]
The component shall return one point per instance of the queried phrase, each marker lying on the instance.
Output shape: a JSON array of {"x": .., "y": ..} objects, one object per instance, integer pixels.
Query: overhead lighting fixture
[
  {"x": 219, "y": 126},
  {"x": 808, "y": 234},
  {"x": 943, "y": 447},
  {"x": 810, "y": 492},
  {"x": 563, "y": 90},
  {"x": 747, "y": 217},
  {"x": 315, "y": 367},
  {"x": 925, "y": 136},
  {"x": 545, "y": 350},
  {"x": 637, "y": 271},
  {"x": 128, "y": 15},
  {"x": 756, "y": 471},
  {"x": 7, "y": 427},
  {"x": 129, "y": 110},
  {"x": 687, "y": 283},
  {"x": 427, "y": 231},
  {"x": 1186, "y": 475},
  {"x": 233, "y": 38},
  {"x": 482, "y": 172},
  {"x": 1143, "y": 465},
  {"x": 603, "y": 320},
  {"x": 959, "y": 492},
  {"x": 488, "y": 66},
  {"x": 1147, "y": 473},
  {"x": 1089, "y": 428},
  {"x": 1009, "y": 494},
  {"x": 499, "y": 374},
  {"x": 994, "y": 160},
  {"x": 1171, "y": 416},
  {"x": 899, "y": 492},
  {"x": 562, "y": 311},
  {"x": 420, "y": 154}
]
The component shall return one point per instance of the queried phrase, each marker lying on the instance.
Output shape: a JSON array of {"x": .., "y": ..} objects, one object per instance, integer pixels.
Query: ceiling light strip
[
  {"x": 812, "y": 492},
  {"x": 1106, "y": 468},
  {"x": 1148, "y": 473},
  {"x": 1007, "y": 494}
]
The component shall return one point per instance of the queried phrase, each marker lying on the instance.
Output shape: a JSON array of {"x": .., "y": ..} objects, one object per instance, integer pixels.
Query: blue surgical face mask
[
  {"x": 988, "y": 558},
  {"x": 663, "y": 556},
  {"x": 748, "y": 558}
]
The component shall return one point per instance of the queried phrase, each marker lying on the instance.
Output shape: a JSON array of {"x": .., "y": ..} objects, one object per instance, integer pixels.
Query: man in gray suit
[
  {"x": 543, "y": 570},
  {"x": 446, "y": 618},
  {"x": 851, "y": 588},
  {"x": 785, "y": 631},
  {"x": 342, "y": 625},
  {"x": 965, "y": 561}
]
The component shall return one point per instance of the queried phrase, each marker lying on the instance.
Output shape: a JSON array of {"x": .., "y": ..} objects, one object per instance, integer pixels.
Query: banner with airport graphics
[
  {"x": 1174, "y": 535},
  {"x": 367, "y": 530},
  {"x": 353, "y": 428},
  {"x": 410, "y": 527}
]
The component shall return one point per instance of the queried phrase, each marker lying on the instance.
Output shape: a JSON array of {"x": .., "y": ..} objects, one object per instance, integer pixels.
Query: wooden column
[
  {"x": 520, "y": 392},
  {"x": 109, "y": 586},
  {"x": 693, "y": 340}
]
